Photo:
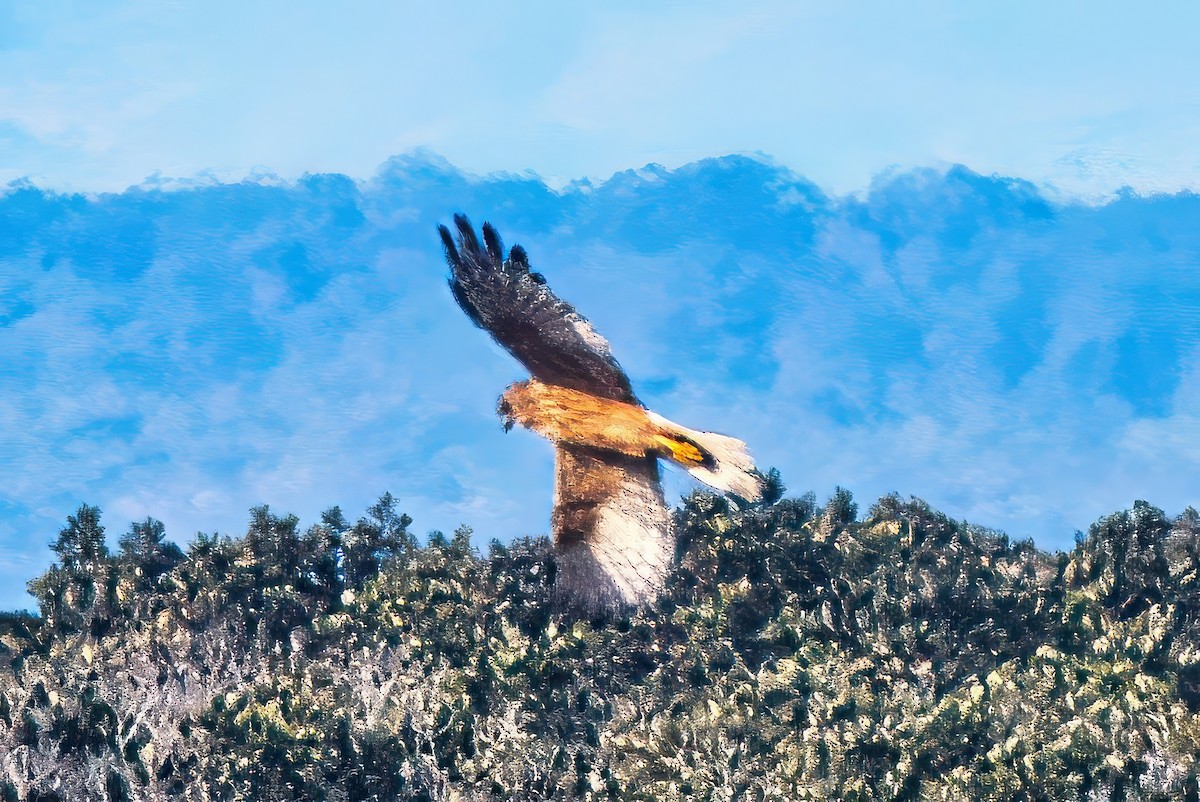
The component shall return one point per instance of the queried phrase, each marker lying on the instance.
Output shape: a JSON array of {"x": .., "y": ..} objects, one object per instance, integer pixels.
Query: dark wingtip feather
[
  {"x": 466, "y": 236},
  {"x": 448, "y": 247},
  {"x": 495, "y": 247},
  {"x": 518, "y": 257}
]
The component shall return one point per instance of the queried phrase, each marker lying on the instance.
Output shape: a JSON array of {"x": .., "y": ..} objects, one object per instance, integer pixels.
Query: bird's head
[
  {"x": 505, "y": 411},
  {"x": 516, "y": 405}
]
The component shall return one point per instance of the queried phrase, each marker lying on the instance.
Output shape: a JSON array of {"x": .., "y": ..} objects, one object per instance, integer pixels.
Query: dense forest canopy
[{"x": 801, "y": 651}]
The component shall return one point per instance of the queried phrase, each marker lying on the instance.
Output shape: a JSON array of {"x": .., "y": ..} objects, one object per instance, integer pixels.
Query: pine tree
[
  {"x": 840, "y": 510},
  {"x": 80, "y": 543},
  {"x": 380, "y": 536},
  {"x": 274, "y": 544},
  {"x": 324, "y": 554},
  {"x": 81, "y": 585},
  {"x": 145, "y": 550}
]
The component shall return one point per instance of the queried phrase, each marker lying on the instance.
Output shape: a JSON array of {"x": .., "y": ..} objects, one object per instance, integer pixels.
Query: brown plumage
[{"x": 612, "y": 529}]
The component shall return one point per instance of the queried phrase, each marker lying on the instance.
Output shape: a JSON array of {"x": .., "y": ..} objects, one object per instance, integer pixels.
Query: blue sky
[
  {"x": 246, "y": 304},
  {"x": 1086, "y": 96}
]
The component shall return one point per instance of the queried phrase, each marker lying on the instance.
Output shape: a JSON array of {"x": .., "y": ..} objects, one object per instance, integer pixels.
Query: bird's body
[
  {"x": 563, "y": 415},
  {"x": 611, "y": 525}
]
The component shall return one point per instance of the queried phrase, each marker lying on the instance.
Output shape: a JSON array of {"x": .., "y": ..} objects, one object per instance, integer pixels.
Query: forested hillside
[{"x": 801, "y": 652}]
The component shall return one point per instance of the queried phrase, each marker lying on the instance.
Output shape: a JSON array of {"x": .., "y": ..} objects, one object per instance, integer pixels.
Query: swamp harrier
[{"x": 611, "y": 525}]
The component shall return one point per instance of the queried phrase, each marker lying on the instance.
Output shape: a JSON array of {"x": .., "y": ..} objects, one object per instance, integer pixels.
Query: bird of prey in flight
[{"x": 611, "y": 526}]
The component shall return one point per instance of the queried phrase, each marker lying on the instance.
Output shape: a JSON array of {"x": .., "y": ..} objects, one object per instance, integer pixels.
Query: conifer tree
[
  {"x": 80, "y": 543},
  {"x": 274, "y": 543},
  {"x": 383, "y": 534},
  {"x": 145, "y": 550},
  {"x": 81, "y": 581}
]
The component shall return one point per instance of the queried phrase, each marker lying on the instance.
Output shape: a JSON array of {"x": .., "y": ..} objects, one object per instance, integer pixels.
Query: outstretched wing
[
  {"x": 612, "y": 530},
  {"x": 546, "y": 335}
]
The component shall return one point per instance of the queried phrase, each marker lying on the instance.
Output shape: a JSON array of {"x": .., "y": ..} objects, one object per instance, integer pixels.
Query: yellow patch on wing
[{"x": 683, "y": 452}]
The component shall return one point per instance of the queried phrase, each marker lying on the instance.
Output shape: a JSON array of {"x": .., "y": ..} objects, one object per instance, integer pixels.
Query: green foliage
[
  {"x": 81, "y": 542},
  {"x": 798, "y": 652},
  {"x": 80, "y": 587},
  {"x": 147, "y": 553},
  {"x": 380, "y": 536}
]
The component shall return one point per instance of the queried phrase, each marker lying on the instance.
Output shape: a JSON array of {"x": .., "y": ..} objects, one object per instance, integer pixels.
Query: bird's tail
[{"x": 719, "y": 461}]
